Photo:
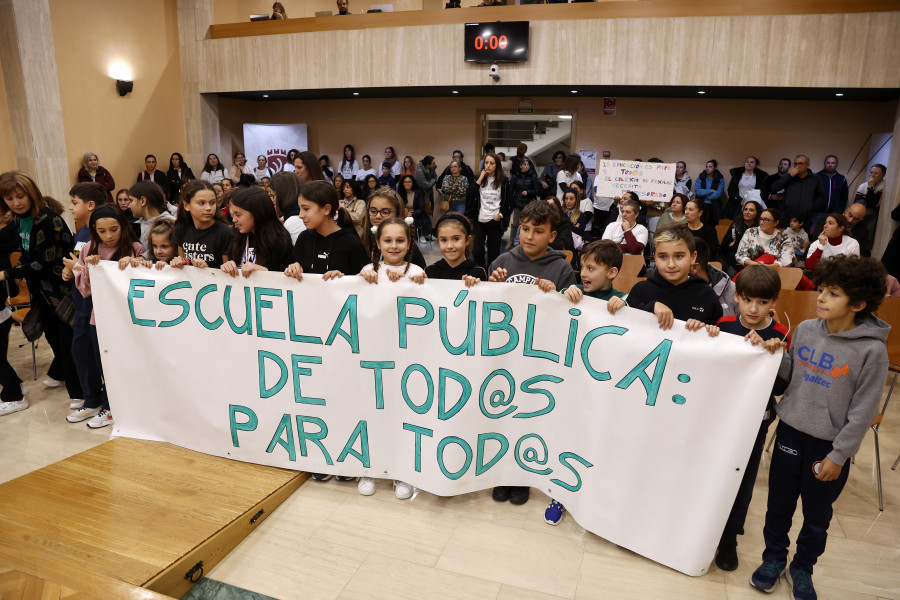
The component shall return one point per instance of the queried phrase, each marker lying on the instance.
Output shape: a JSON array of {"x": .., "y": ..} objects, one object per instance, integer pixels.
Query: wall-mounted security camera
[{"x": 494, "y": 72}]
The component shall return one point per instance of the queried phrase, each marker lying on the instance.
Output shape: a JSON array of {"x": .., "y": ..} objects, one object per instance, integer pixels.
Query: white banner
[
  {"x": 652, "y": 182},
  {"x": 273, "y": 142},
  {"x": 642, "y": 434}
]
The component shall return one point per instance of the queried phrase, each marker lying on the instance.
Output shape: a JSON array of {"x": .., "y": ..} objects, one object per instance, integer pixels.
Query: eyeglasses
[
  {"x": 385, "y": 212},
  {"x": 766, "y": 220}
]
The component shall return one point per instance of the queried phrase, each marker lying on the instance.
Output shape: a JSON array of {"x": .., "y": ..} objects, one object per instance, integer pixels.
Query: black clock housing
[{"x": 500, "y": 41}]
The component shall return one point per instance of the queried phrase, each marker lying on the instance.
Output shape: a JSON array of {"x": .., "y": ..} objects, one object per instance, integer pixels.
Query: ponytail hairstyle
[
  {"x": 269, "y": 235},
  {"x": 164, "y": 227},
  {"x": 323, "y": 193},
  {"x": 368, "y": 238},
  {"x": 407, "y": 224},
  {"x": 188, "y": 191},
  {"x": 126, "y": 238},
  {"x": 152, "y": 192}
]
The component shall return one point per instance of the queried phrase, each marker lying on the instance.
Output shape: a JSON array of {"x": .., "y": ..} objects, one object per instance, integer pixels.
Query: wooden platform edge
[
  {"x": 172, "y": 581},
  {"x": 44, "y": 566}
]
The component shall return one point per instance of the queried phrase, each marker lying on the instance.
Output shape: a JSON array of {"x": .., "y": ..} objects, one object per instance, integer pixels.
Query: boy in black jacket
[{"x": 672, "y": 292}]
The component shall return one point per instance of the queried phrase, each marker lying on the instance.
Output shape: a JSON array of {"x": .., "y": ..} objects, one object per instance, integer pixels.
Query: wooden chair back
[
  {"x": 790, "y": 276},
  {"x": 722, "y": 228},
  {"x": 716, "y": 264},
  {"x": 889, "y": 312},
  {"x": 632, "y": 264},
  {"x": 624, "y": 283},
  {"x": 794, "y": 307},
  {"x": 569, "y": 255}
]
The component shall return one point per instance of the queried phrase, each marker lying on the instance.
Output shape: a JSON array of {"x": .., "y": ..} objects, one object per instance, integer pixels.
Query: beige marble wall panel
[
  {"x": 194, "y": 19},
  {"x": 833, "y": 50},
  {"x": 32, "y": 92}
]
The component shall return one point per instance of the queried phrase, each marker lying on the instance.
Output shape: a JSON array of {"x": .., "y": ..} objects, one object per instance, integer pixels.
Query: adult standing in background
[
  {"x": 325, "y": 164},
  {"x": 262, "y": 169},
  {"x": 520, "y": 156},
  {"x": 464, "y": 169},
  {"x": 150, "y": 173},
  {"x": 683, "y": 183},
  {"x": 855, "y": 213},
  {"x": 743, "y": 179},
  {"x": 348, "y": 165},
  {"x": 239, "y": 167},
  {"x": 869, "y": 193},
  {"x": 566, "y": 175},
  {"x": 708, "y": 188},
  {"x": 803, "y": 193},
  {"x": 92, "y": 172},
  {"x": 213, "y": 170},
  {"x": 177, "y": 175},
  {"x": 390, "y": 157},
  {"x": 836, "y": 191},
  {"x": 548, "y": 176},
  {"x": 289, "y": 161},
  {"x": 426, "y": 178},
  {"x": 343, "y": 7},
  {"x": 278, "y": 12},
  {"x": 454, "y": 188},
  {"x": 773, "y": 196}
]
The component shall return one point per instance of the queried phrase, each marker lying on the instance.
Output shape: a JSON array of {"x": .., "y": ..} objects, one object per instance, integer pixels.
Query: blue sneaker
[
  {"x": 801, "y": 580},
  {"x": 554, "y": 512},
  {"x": 766, "y": 576}
]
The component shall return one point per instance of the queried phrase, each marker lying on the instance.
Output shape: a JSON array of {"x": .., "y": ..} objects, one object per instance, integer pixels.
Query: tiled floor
[{"x": 328, "y": 542}]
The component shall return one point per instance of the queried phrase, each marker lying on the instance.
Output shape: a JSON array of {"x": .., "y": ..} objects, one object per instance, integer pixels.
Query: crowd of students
[{"x": 312, "y": 219}]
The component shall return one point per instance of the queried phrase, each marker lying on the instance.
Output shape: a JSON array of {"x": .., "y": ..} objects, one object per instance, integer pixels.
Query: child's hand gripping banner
[{"x": 642, "y": 434}]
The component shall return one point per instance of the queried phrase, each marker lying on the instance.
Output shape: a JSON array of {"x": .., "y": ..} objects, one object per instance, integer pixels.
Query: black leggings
[
  {"x": 492, "y": 232},
  {"x": 59, "y": 336},
  {"x": 9, "y": 379}
]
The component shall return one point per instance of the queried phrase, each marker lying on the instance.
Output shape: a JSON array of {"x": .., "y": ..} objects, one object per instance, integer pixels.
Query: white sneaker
[
  {"x": 51, "y": 383},
  {"x": 82, "y": 414},
  {"x": 102, "y": 419},
  {"x": 366, "y": 486},
  {"x": 402, "y": 489},
  {"x": 8, "y": 408},
  {"x": 76, "y": 403}
]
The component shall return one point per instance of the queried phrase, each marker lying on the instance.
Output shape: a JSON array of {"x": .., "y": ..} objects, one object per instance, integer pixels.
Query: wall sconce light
[{"x": 124, "y": 87}]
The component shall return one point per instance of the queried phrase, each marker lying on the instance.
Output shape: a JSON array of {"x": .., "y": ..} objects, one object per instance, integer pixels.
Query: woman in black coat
[{"x": 177, "y": 175}]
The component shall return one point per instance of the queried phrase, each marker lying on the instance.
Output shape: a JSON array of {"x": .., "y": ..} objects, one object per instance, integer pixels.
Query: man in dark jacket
[
  {"x": 153, "y": 174},
  {"x": 772, "y": 196},
  {"x": 803, "y": 193},
  {"x": 836, "y": 191},
  {"x": 464, "y": 169}
]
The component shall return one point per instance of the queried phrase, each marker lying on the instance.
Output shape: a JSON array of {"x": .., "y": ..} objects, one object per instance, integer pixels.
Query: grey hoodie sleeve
[{"x": 863, "y": 408}]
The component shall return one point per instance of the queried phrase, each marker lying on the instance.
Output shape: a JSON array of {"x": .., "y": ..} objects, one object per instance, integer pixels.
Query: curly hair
[{"x": 863, "y": 279}]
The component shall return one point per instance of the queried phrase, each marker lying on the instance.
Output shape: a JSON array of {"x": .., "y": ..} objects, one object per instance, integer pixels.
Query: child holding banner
[
  {"x": 201, "y": 234},
  {"x": 533, "y": 262},
  {"x": 262, "y": 243},
  {"x": 329, "y": 246},
  {"x": 836, "y": 366},
  {"x": 672, "y": 292},
  {"x": 600, "y": 264},
  {"x": 391, "y": 262},
  {"x": 454, "y": 234},
  {"x": 111, "y": 239},
  {"x": 757, "y": 289}
]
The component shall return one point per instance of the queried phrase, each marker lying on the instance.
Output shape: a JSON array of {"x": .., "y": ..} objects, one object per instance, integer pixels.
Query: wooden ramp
[{"x": 132, "y": 512}]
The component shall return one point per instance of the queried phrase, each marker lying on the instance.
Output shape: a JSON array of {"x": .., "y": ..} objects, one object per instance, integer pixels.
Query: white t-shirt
[
  {"x": 295, "y": 227},
  {"x": 563, "y": 177},
  {"x": 361, "y": 174},
  {"x": 288, "y": 168},
  {"x": 490, "y": 201},
  {"x": 383, "y": 271},
  {"x": 615, "y": 233},
  {"x": 347, "y": 170}
]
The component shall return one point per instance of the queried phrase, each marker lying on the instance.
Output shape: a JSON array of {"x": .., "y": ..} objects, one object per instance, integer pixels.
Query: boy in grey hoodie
[
  {"x": 836, "y": 370},
  {"x": 533, "y": 262}
]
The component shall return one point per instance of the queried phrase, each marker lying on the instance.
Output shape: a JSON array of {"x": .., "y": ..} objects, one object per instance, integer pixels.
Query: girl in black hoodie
[
  {"x": 329, "y": 246},
  {"x": 454, "y": 234}
]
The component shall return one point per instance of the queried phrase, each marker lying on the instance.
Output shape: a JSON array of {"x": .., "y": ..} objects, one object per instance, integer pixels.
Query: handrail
[{"x": 611, "y": 9}]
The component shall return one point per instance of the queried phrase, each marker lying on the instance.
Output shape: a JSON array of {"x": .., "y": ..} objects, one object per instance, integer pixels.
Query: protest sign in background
[
  {"x": 273, "y": 142},
  {"x": 643, "y": 434},
  {"x": 652, "y": 182}
]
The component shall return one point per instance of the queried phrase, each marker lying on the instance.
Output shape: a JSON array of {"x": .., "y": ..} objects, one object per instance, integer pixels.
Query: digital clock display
[{"x": 500, "y": 41}]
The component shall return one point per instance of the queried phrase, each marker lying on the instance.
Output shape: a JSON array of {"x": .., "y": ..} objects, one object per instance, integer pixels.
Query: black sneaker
[
  {"x": 321, "y": 476},
  {"x": 767, "y": 575},
  {"x": 344, "y": 478},
  {"x": 518, "y": 495},
  {"x": 801, "y": 582},
  {"x": 501, "y": 493},
  {"x": 726, "y": 557}
]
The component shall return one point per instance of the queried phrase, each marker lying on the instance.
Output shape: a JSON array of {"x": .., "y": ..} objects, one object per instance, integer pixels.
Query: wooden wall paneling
[{"x": 777, "y": 51}]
